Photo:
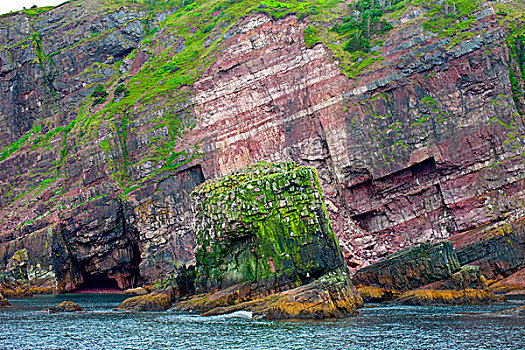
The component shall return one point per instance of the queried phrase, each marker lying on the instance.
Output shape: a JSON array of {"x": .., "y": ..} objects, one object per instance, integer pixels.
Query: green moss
[
  {"x": 266, "y": 222},
  {"x": 311, "y": 36},
  {"x": 99, "y": 95},
  {"x": 21, "y": 142}
]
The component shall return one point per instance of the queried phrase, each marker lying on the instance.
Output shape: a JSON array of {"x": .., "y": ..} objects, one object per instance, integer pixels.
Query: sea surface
[{"x": 24, "y": 326}]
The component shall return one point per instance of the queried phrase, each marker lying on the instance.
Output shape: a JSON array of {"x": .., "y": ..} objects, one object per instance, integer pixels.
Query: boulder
[
  {"x": 136, "y": 291},
  {"x": 148, "y": 302},
  {"x": 65, "y": 306},
  {"x": 411, "y": 268},
  {"x": 266, "y": 223},
  {"x": 265, "y": 230}
]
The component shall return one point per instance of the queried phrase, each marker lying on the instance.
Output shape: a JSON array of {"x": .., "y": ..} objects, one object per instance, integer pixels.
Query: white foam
[{"x": 239, "y": 314}]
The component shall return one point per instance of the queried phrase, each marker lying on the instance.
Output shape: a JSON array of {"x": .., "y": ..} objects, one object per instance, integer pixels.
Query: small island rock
[
  {"x": 65, "y": 306},
  {"x": 148, "y": 302}
]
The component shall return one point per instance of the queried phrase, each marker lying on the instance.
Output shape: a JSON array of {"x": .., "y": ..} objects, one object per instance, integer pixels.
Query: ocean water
[{"x": 24, "y": 326}]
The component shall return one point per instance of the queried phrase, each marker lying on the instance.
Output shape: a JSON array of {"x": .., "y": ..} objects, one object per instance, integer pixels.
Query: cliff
[{"x": 113, "y": 111}]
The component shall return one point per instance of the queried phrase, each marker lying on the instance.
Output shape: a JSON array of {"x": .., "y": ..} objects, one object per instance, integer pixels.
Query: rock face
[
  {"x": 265, "y": 230},
  {"x": 371, "y": 294},
  {"x": 468, "y": 277},
  {"x": 106, "y": 127},
  {"x": 498, "y": 251},
  {"x": 411, "y": 268},
  {"x": 65, "y": 306},
  {"x": 266, "y": 224}
]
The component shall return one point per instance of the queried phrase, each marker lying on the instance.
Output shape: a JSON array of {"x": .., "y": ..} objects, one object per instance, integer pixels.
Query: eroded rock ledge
[{"x": 424, "y": 274}]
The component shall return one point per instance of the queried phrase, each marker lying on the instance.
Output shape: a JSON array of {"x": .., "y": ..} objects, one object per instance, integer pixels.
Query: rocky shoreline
[{"x": 265, "y": 245}]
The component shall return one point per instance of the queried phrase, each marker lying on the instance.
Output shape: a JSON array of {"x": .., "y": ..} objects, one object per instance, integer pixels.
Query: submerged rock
[
  {"x": 136, "y": 291},
  {"x": 449, "y": 297},
  {"x": 519, "y": 311},
  {"x": 65, "y": 306},
  {"x": 264, "y": 240},
  {"x": 148, "y": 302},
  {"x": 3, "y": 301}
]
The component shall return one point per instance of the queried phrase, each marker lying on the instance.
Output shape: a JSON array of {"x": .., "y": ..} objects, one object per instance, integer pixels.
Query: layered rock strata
[
  {"x": 327, "y": 297},
  {"x": 498, "y": 251},
  {"x": 424, "y": 274},
  {"x": 422, "y": 141},
  {"x": 411, "y": 268},
  {"x": 449, "y": 297}
]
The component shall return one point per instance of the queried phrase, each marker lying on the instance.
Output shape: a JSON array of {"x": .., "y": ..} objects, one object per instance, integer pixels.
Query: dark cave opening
[{"x": 99, "y": 285}]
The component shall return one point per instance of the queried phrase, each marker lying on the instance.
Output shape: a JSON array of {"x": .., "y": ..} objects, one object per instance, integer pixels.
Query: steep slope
[{"x": 115, "y": 111}]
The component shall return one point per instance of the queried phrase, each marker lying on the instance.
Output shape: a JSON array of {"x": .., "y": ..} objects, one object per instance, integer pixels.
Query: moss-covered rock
[
  {"x": 265, "y": 244},
  {"x": 148, "y": 302},
  {"x": 266, "y": 224},
  {"x": 371, "y": 294},
  {"x": 65, "y": 306}
]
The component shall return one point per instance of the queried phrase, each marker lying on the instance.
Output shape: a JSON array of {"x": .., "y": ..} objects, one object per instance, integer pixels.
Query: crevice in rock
[{"x": 123, "y": 54}]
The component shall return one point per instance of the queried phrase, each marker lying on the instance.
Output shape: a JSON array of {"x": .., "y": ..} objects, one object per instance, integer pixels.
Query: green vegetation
[
  {"x": 277, "y": 226},
  {"x": 99, "y": 95},
  {"x": 21, "y": 142},
  {"x": 34, "y": 10},
  {"x": 363, "y": 24},
  {"x": 450, "y": 18},
  {"x": 311, "y": 36}
]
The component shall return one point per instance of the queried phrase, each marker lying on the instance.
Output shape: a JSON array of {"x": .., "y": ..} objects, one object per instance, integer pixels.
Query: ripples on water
[{"x": 24, "y": 326}]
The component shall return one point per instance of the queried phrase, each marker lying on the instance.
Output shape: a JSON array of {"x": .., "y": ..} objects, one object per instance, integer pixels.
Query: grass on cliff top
[{"x": 33, "y": 11}]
